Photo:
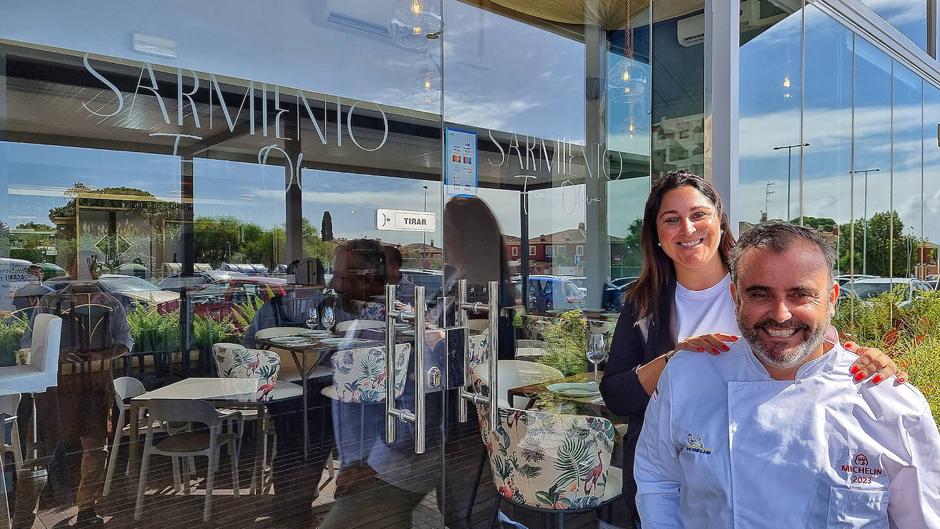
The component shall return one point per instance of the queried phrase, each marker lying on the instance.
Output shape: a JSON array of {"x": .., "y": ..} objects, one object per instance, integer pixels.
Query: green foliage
[
  {"x": 909, "y": 334},
  {"x": 882, "y": 227},
  {"x": 567, "y": 342},
  {"x": 11, "y": 332},
  {"x": 153, "y": 331},
  {"x": 207, "y": 331}
]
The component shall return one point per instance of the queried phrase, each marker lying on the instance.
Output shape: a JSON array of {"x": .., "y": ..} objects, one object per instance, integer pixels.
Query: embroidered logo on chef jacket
[
  {"x": 861, "y": 470},
  {"x": 694, "y": 444}
]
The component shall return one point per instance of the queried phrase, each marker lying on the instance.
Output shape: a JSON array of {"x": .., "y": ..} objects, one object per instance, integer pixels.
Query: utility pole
[{"x": 768, "y": 190}]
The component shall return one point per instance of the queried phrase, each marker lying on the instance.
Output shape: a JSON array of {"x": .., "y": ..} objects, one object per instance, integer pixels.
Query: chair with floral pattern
[
  {"x": 235, "y": 361},
  {"x": 359, "y": 374},
  {"x": 550, "y": 463}
]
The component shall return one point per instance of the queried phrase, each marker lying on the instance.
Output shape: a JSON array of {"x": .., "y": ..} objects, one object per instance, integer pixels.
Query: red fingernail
[
  {"x": 860, "y": 376},
  {"x": 876, "y": 380},
  {"x": 902, "y": 380},
  {"x": 715, "y": 351},
  {"x": 853, "y": 370},
  {"x": 849, "y": 345},
  {"x": 699, "y": 349},
  {"x": 734, "y": 338},
  {"x": 724, "y": 347}
]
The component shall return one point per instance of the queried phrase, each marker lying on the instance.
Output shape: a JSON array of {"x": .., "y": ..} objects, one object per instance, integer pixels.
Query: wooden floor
[{"x": 302, "y": 493}]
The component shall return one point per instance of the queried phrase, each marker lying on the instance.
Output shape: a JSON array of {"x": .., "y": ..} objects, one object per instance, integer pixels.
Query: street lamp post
[
  {"x": 865, "y": 216},
  {"x": 789, "y": 149},
  {"x": 768, "y": 190}
]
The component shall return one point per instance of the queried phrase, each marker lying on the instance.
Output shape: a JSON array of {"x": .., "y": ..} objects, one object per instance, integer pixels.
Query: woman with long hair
[{"x": 682, "y": 301}]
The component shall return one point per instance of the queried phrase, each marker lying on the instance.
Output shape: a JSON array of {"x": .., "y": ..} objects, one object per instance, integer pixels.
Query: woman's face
[{"x": 688, "y": 227}]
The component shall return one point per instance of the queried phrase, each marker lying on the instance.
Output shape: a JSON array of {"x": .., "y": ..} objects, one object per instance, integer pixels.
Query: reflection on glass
[
  {"x": 930, "y": 236},
  {"x": 907, "y": 16},
  {"x": 770, "y": 136},
  {"x": 906, "y": 167},
  {"x": 827, "y": 127}
]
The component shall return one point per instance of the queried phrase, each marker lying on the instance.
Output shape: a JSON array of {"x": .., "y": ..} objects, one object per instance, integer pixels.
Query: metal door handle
[
  {"x": 393, "y": 414},
  {"x": 492, "y": 310}
]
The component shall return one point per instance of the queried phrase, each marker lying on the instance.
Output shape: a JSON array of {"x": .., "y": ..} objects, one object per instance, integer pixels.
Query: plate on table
[
  {"x": 359, "y": 325},
  {"x": 287, "y": 340},
  {"x": 344, "y": 341},
  {"x": 316, "y": 333},
  {"x": 575, "y": 389}
]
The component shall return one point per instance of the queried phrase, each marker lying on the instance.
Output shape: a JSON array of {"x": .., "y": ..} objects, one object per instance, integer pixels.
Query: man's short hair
[{"x": 778, "y": 237}]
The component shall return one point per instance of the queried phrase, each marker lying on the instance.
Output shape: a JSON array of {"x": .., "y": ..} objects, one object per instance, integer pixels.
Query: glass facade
[
  {"x": 857, "y": 126},
  {"x": 321, "y": 221}
]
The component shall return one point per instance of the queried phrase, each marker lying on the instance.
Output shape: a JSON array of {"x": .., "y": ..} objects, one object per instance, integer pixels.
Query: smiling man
[{"x": 773, "y": 433}]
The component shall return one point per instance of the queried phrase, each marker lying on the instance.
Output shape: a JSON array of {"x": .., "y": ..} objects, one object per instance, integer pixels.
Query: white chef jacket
[{"x": 724, "y": 445}]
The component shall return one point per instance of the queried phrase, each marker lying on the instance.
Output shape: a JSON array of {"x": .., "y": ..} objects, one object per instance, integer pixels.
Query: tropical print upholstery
[
  {"x": 359, "y": 374},
  {"x": 546, "y": 460},
  {"x": 235, "y": 361},
  {"x": 479, "y": 349}
]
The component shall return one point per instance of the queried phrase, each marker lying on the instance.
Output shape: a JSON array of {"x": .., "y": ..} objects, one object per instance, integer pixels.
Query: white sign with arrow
[{"x": 400, "y": 220}]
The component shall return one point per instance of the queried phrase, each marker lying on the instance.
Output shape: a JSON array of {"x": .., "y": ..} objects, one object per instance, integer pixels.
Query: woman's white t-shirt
[{"x": 705, "y": 311}]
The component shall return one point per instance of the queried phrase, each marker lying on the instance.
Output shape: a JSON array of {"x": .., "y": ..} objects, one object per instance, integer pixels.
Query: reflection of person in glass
[
  {"x": 29, "y": 294},
  {"x": 74, "y": 415}
]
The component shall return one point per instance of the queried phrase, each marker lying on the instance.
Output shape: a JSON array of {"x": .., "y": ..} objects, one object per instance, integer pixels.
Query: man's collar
[{"x": 822, "y": 364}]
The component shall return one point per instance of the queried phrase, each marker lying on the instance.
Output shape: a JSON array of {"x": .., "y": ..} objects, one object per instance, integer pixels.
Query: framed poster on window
[{"x": 460, "y": 151}]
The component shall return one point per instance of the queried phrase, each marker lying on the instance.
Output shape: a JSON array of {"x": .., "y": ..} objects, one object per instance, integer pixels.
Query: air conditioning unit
[{"x": 690, "y": 31}]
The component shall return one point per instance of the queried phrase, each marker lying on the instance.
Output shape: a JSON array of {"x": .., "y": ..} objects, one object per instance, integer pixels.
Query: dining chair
[
  {"x": 126, "y": 388},
  {"x": 289, "y": 371},
  {"x": 186, "y": 443},
  {"x": 9, "y": 404},
  {"x": 359, "y": 378},
  {"x": 511, "y": 374},
  {"x": 235, "y": 361},
  {"x": 550, "y": 463}
]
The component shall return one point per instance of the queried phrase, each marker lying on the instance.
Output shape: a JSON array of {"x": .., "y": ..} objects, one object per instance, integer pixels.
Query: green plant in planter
[
  {"x": 11, "y": 332},
  {"x": 207, "y": 331},
  {"x": 566, "y": 339},
  {"x": 153, "y": 331}
]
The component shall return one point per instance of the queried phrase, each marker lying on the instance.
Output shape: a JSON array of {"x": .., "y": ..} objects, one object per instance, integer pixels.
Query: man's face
[
  {"x": 35, "y": 273},
  {"x": 784, "y": 303}
]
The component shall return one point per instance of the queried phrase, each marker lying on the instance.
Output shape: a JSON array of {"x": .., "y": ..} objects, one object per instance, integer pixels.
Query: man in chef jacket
[{"x": 773, "y": 433}]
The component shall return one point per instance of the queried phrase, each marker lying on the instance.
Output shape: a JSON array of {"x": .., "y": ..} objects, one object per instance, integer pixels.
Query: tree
[
  {"x": 880, "y": 249},
  {"x": 819, "y": 223},
  {"x": 326, "y": 227}
]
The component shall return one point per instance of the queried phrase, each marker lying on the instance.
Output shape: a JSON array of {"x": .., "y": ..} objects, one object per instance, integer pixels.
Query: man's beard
[{"x": 777, "y": 356}]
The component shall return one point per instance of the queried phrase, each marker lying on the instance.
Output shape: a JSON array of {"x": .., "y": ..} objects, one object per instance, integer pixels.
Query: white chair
[
  {"x": 188, "y": 443},
  {"x": 9, "y": 403},
  {"x": 42, "y": 372},
  {"x": 126, "y": 388}
]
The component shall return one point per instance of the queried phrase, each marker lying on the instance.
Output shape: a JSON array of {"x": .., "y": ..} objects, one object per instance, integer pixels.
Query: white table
[{"x": 229, "y": 392}]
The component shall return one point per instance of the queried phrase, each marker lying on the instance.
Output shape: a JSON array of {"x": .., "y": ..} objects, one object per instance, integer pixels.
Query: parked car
[
  {"x": 176, "y": 282},
  {"x": 864, "y": 289},
  {"x": 217, "y": 299},
  {"x": 623, "y": 281},
  {"x": 247, "y": 269},
  {"x": 546, "y": 292},
  {"x": 133, "y": 291},
  {"x": 614, "y": 295}
]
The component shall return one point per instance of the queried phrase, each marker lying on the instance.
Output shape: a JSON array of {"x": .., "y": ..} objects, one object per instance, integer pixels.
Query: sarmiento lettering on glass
[
  {"x": 534, "y": 155},
  {"x": 272, "y": 116}
]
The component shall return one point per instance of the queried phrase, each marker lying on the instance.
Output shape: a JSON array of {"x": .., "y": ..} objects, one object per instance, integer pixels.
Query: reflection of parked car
[
  {"x": 217, "y": 299},
  {"x": 623, "y": 281},
  {"x": 864, "y": 289},
  {"x": 176, "y": 282},
  {"x": 613, "y": 296},
  {"x": 431, "y": 280},
  {"x": 131, "y": 291},
  {"x": 552, "y": 293},
  {"x": 247, "y": 269}
]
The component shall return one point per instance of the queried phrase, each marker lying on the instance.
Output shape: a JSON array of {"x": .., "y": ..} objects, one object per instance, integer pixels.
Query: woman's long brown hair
[{"x": 658, "y": 268}]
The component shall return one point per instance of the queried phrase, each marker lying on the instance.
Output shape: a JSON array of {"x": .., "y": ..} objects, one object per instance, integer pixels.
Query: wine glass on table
[
  {"x": 329, "y": 318},
  {"x": 596, "y": 351},
  {"x": 313, "y": 318}
]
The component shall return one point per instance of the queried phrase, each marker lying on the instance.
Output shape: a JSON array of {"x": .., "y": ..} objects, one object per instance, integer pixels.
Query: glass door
[{"x": 546, "y": 144}]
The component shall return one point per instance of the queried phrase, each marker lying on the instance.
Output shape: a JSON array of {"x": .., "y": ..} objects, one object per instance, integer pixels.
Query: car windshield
[{"x": 127, "y": 284}]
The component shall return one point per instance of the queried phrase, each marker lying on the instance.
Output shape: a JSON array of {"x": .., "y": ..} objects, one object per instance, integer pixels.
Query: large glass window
[{"x": 908, "y": 16}]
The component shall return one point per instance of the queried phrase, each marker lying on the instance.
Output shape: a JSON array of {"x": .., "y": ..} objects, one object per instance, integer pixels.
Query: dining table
[
  {"x": 541, "y": 398},
  {"x": 230, "y": 393}
]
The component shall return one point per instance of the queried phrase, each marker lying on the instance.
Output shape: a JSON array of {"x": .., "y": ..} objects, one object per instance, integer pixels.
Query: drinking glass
[
  {"x": 596, "y": 351},
  {"x": 313, "y": 318},
  {"x": 329, "y": 318}
]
